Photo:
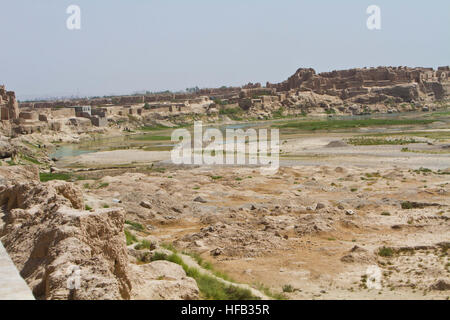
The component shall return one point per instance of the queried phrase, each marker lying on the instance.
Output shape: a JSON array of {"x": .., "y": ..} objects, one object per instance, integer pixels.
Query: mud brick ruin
[
  {"x": 353, "y": 91},
  {"x": 371, "y": 84},
  {"x": 9, "y": 108}
]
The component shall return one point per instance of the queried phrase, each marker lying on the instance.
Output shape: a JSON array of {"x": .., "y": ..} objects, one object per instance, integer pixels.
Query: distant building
[
  {"x": 83, "y": 111},
  {"x": 99, "y": 121}
]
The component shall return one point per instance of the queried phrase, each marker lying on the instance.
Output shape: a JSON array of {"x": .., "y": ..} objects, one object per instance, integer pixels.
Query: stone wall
[
  {"x": 355, "y": 82},
  {"x": 9, "y": 108}
]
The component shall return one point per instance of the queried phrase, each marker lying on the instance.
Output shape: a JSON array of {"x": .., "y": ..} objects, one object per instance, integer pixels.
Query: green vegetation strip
[
  {"x": 364, "y": 141},
  {"x": 46, "y": 176},
  {"x": 152, "y": 138},
  {"x": 210, "y": 287},
  {"x": 425, "y": 134},
  {"x": 153, "y": 128},
  {"x": 346, "y": 124},
  {"x": 131, "y": 238}
]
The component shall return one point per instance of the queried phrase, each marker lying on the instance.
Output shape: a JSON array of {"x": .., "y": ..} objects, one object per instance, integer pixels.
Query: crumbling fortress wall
[
  {"x": 372, "y": 85},
  {"x": 353, "y": 91},
  {"x": 9, "y": 107}
]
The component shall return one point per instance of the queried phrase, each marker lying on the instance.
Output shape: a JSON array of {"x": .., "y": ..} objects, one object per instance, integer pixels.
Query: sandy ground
[
  {"x": 314, "y": 229},
  {"x": 314, "y": 232},
  {"x": 117, "y": 157}
]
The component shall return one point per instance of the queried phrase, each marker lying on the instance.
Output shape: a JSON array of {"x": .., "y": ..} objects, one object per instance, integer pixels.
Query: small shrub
[
  {"x": 288, "y": 288},
  {"x": 144, "y": 244},
  {"x": 135, "y": 225},
  {"x": 407, "y": 205},
  {"x": 131, "y": 238},
  {"x": 169, "y": 246},
  {"x": 159, "y": 256},
  {"x": 385, "y": 252}
]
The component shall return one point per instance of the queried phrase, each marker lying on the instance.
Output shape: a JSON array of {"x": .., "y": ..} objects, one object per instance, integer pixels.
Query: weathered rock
[
  {"x": 50, "y": 241},
  {"x": 320, "y": 205},
  {"x": 441, "y": 285},
  {"x": 200, "y": 199},
  {"x": 162, "y": 280},
  {"x": 146, "y": 204}
]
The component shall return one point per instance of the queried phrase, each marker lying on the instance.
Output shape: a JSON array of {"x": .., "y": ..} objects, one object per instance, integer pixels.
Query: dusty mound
[
  {"x": 336, "y": 144},
  {"x": 49, "y": 239}
]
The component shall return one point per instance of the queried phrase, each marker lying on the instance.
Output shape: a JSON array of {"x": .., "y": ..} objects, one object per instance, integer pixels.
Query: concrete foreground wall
[{"x": 12, "y": 285}]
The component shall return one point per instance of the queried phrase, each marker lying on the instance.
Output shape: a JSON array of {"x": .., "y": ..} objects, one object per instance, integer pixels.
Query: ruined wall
[
  {"x": 9, "y": 108},
  {"x": 350, "y": 83}
]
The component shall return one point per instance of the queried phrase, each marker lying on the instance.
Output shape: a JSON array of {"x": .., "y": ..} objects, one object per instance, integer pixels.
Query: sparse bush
[
  {"x": 407, "y": 205},
  {"x": 131, "y": 238},
  {"x": 135, "y": 225},
  {"x": 385, "y": 252},
  {"x": 159, "y": 256},
  {"x": 145, "y": 244},
  {"x": 288, "y": 288}
]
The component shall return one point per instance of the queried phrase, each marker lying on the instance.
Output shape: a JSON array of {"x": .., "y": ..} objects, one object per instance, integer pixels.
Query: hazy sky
[{"x": 133, "y": 45}]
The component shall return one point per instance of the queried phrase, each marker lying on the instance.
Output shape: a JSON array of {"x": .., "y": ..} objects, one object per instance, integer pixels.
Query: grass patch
[
  {"x": 131, "y": 238},
  {"x": 87, "y": 208},
  {"x": 211, "y": 288},
  {"x": 436, "y": 135},
  {"x": 30, "y": 159},
  {"x": 426, "y": 151},
  {"x": 208, "y": 266},
  {"x": 159, "y": 256},
  {"x": 216, "y": 177},
  {"x": 153, "y": 128},
  {"x": 44, "y": 176},
  {"x": 348, "y": 124},
  {"x": 135, "y": 225},
  {"x": 144, "y": 244},
  {"x": 406, "y": 205},
  {"x": 363, "y": 141},
  {"x": 385, "y": 252},
  {"x": 169, "y": 246},
  {"x": 103, "y": 185},
  {"x": 268, "y": 292},
  {"x": 152, "y": 138}
]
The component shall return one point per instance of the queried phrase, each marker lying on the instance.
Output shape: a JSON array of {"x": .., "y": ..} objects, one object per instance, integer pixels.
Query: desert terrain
[{"x": 359, "y": 208}]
